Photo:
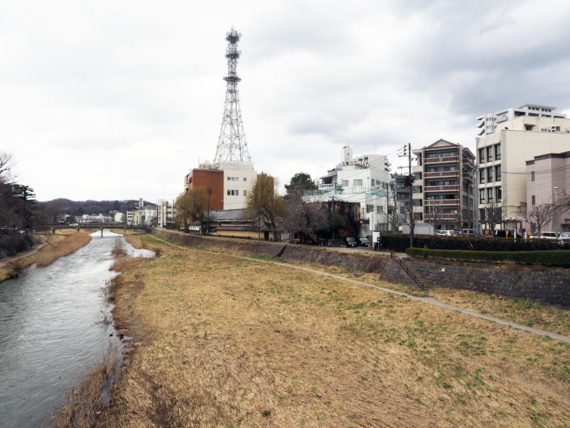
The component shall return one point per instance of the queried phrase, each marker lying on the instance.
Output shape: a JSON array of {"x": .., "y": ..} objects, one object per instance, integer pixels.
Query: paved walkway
[
  {"x": 428, "y": 300},
  {"x": 34, "y": 250}
]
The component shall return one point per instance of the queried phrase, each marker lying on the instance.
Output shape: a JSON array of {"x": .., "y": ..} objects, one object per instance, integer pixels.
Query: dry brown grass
[
  {"x": 226, "y": 342},
  {"x": 135, "y": 241},
  {"x": 85, "y": 402},
  {"x": 68, "y": 244}
]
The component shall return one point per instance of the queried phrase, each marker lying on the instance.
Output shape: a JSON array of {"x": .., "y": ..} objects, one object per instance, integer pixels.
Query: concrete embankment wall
[
  {"x": 361, "y": 262},
  {"x": 549, "y": 286}
]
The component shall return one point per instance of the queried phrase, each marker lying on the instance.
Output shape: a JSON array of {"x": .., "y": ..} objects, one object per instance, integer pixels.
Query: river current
[{"x": 54, "y": 327}]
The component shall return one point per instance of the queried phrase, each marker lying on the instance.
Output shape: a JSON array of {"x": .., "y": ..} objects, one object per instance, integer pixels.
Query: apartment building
[
  {"x": 502, "y": 156},
  {"x": 488, "y": 123},
  {"x": 165, "y": 213},
  {"x": 548, "y": 182},
  {"x": 227, "y": 183},
  {"x": 364, "y": 180},
  {"x": 444, "y": 186}
]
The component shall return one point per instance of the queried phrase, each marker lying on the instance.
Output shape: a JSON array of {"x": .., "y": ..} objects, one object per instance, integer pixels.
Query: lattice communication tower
[{"x": 232, "y": 145}]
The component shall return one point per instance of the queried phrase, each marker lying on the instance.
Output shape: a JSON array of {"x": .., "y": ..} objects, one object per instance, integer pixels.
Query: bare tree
[
  {"x": 192, "y": 206},
  {"x": 304, "y": 219},
  {"x": 6, "y": 175},
  {"x": 492, "y": 215},
  {"x": 540, "y": 215},
  {"x": 264, "y": 204},
  {"x": 433, "y": 215}
]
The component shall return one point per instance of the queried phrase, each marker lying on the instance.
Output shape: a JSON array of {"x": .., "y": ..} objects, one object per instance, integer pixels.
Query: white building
[
  {"x": 165, "y": 212},
  {"x": 502, "y": 156},
  {"x": 239, "y": 179},
  {"x": 119, "y": 218},
  {"x": 489, "y": 122},
  {"x": 130, "y": 217},
  {"x": 365, "y": 180}
]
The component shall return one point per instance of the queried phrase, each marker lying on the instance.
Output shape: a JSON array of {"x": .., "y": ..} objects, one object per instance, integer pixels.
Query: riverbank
[
  {"x": 225, "y": 341},
  {"x": 51, "y": 247}
]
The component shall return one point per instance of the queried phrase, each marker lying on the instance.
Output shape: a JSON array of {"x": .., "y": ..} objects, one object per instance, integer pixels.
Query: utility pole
[
  {"x": 408, "y": 182},
  {"x": 411, "y": 195}
]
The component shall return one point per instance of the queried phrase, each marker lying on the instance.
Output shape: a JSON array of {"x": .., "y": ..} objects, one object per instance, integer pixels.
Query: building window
[
  {"x": 499, "y": 194},
  {"x": 245, "y": 193},
  {"x": 357, "y": 183},
  {"x": 369, "y": 208},
  {"x": 533, "y": 200},
  {"x": 344, "y": 183},
  {"x": 490, "y": 174},
  {"x": 379, "y": 209},
  {"x": 245, "y": 179},
  {"x": 482, "y": 196},
  {"x": 490, "y": 194},
  {"x": 490, "y": 154},
  {"x": 498, "y": 173},
  {"x": 481, "y": 175},
  {"x": 497, "y": 152},
  {"x": 481, "y": 155},
  {"x": 228, "y": 192},
  {"x": 532, "y": 176}
]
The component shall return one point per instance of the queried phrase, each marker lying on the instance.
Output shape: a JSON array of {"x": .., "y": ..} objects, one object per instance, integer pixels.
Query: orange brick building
[{"x": 213, "y": 179}]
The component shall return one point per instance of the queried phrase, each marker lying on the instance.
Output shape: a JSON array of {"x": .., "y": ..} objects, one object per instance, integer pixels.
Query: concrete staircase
[{"x": 407, "y": 265}]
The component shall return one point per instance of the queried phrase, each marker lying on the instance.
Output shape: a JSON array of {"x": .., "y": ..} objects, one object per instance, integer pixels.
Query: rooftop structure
[{"x": 488, "y": 123}]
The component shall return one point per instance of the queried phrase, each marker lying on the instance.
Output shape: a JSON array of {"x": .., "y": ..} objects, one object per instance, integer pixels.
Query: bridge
[{"x": 98, "y": 226}]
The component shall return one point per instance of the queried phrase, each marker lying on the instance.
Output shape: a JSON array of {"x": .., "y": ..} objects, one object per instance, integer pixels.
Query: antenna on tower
[{"x": 232, "y": 145}]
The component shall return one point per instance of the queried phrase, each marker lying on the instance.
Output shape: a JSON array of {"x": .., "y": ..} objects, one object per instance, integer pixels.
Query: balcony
[
  {"x": 442, "y": 174},
  {"x": 441, "y": 188},
  {"x": 441, "y": 159},
  {"x": 433, "y": 202}
]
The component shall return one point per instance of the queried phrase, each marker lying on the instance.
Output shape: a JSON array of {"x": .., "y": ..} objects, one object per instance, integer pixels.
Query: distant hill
[{"x": 75, "y": 208}]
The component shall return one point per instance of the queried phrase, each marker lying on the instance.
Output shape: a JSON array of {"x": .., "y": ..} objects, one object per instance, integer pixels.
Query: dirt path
[{"x": 428, "y": 300}]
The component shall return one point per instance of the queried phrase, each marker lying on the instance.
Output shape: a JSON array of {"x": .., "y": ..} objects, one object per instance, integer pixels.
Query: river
[{"x": 54, "y": 327}]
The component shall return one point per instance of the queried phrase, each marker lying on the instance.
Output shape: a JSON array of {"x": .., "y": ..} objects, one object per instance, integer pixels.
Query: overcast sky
[{"x": 119, "y": 99}]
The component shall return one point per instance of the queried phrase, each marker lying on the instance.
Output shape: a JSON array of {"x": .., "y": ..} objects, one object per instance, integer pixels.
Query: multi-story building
[
  {"x": 488, "y": 123},
  {"x": 228, "y": 183},
  {"x": 399, "y": 203},
  {"x": 443, "y": 186},
  {"x": 502, "y": 157},
  {"x": 548, "y": 183},
  {"x": 165, "y": 213},
  {"x": 365, "y": 180}
]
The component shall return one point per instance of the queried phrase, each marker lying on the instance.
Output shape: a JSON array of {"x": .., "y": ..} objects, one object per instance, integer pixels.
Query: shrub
[
  {"x": 401, "y": 242},
  {"x": 559, "y": 258}
]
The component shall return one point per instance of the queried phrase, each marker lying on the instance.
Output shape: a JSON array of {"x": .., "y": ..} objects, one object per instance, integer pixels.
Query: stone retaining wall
[
  {"x": 361, "y": 262},
  {"x": 547, "y": 286}
]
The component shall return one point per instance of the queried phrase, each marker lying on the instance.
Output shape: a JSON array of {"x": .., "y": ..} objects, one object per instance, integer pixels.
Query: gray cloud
[{"x": 125, "y": 98}]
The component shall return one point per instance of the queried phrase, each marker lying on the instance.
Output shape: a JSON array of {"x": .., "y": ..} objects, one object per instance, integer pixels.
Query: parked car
[
  {"x": 363, "y": 242},
  {"x": 544, "y": 235},
  {"x": 564, "y": 237},
  {"x": 351, "y": 242},
  {"x": 444, "y": 232},
  {"x": 506, "y": 234}
]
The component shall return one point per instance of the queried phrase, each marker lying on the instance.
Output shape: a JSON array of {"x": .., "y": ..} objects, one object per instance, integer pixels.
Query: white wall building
[
  {"x": 489, "y": 122},
  {"x": 119, "y": 217},
  {"x": 239, "y": 179},
  {"x": 502, "y": 156},
  {"x": 165, "y": 213},
  {"x": 364, "y": 180}
]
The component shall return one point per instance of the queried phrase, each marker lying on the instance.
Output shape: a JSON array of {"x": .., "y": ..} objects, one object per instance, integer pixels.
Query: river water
[{"x": 54, "y": 327}]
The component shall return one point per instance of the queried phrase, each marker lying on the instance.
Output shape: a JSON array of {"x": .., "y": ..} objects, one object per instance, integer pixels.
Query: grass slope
[{"x": 226, "y": 342}]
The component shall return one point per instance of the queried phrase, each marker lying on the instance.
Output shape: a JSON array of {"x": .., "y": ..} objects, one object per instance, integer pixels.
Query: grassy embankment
[
  {"x": 221, "y": 341},
  {"x": 57, "y": 245}
]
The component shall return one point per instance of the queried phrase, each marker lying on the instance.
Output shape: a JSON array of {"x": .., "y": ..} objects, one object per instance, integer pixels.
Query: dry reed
[{"x": 68, "y": 245}]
